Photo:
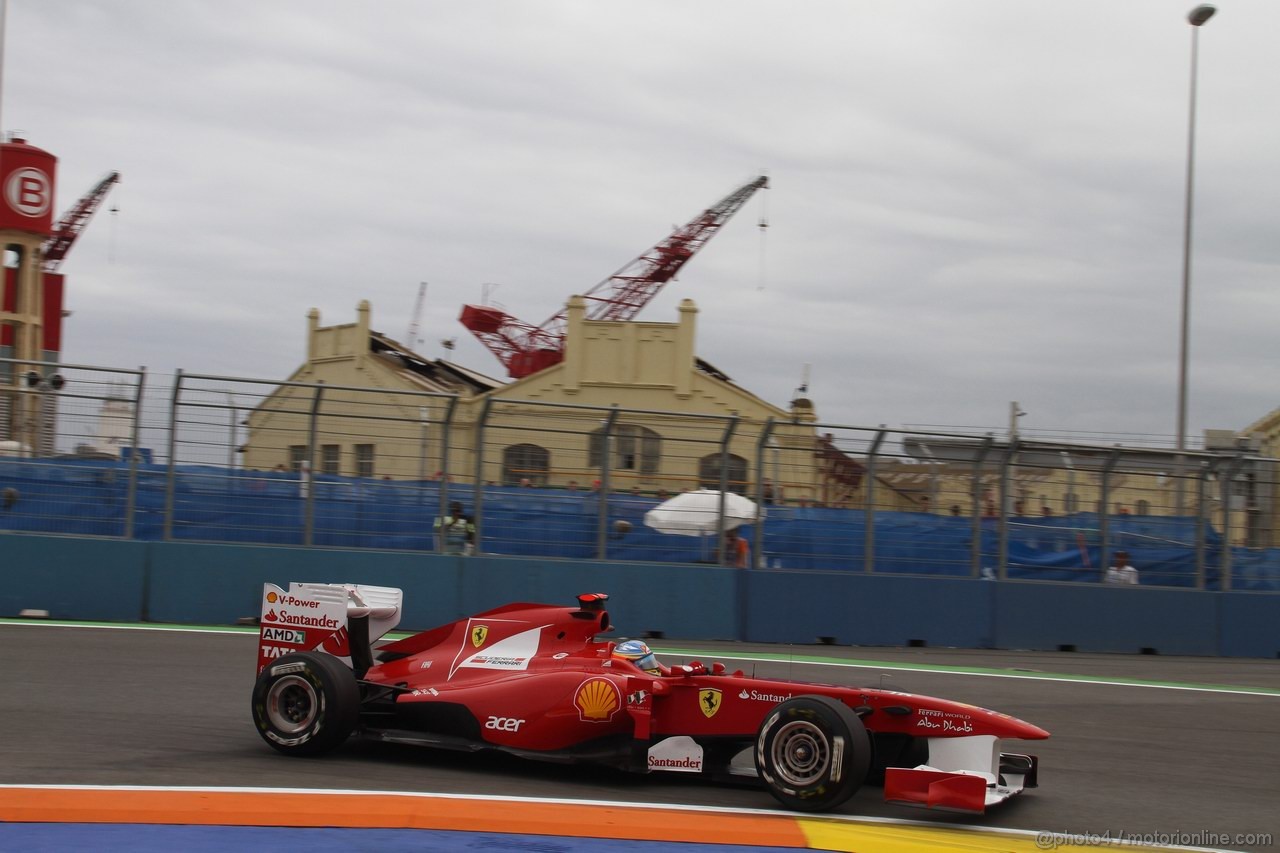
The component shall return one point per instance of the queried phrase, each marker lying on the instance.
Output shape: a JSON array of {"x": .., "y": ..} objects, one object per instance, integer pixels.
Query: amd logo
[{"x": 504, "y": 724}]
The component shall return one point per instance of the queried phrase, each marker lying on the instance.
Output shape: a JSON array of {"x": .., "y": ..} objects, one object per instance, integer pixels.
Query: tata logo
[
  {"x": 709, "y": 702},
  {"x": 27, "y": 192},
  {"x": 503, "y": 724},
  {"x": 478, "y": 635}
]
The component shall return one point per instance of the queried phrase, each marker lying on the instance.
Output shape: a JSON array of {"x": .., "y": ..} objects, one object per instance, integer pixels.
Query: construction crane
[
  {"x": 411, "y": 339},
  {"x": 524, "y": 349},
  {"x": 73, "y": 222}
]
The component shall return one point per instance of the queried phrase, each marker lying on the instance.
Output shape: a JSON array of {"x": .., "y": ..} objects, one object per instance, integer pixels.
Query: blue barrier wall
[
  {"x": 73, "y": 577},
  {"x": 869, "y": 610},
  {"x": 124, "y": 581},
  {"x": 1102, "y": 618}
]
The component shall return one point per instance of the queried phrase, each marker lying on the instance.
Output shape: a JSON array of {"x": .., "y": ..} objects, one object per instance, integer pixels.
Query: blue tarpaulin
[{"x": 90, "y": 497}]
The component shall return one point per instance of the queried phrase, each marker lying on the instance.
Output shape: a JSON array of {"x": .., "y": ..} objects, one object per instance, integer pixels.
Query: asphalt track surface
[{"x": 102, "y": 706}]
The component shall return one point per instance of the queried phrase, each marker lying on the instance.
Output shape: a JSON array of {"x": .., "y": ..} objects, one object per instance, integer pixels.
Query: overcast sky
[{"x": 972, "y": 202}]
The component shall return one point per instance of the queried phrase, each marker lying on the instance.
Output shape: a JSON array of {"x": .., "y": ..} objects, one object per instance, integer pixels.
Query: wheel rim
[
  {"x": 800, "y": 753},
  {"x": 292, "y": 704}
]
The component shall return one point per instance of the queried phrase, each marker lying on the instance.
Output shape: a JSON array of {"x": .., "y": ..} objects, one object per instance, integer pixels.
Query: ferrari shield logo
[
  {"x": 478, "y": 633},
  {"x": 709, "y": 701}
]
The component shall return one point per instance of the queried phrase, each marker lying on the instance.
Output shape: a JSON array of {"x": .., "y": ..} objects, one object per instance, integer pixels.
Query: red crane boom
[
  {"x": 524, "y": 349},
  {"x": 73, "y": 222}
]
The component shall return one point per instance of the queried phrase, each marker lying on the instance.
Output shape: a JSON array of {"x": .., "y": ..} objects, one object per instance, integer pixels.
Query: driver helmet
[{"x": 639, "y": 654}]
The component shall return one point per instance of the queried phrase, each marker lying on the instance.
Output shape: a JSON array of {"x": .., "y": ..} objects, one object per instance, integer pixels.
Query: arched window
[
  {"x": 525, "y": 462},
  {"x": 635, "y": 448},
  {"x": 709, "y": 472}
]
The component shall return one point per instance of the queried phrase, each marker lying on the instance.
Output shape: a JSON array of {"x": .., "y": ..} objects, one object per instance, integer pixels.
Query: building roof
[{"x": 431, "y": 374}]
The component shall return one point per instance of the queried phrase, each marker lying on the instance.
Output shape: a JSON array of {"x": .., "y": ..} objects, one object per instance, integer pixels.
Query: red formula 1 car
[{"x": 533, "y": 680}]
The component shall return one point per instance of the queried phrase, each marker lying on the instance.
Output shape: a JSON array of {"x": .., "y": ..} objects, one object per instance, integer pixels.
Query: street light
[{"x": 1197, "y": 17}]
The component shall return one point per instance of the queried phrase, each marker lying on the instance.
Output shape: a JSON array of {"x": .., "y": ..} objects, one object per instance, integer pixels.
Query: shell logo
[
  {"x": 272, "y": 598},
  {"x": 597, "y": 700}
]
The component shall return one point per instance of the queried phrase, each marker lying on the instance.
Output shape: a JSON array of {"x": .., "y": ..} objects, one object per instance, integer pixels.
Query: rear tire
[
  {"x": 306, "y": 703},
  {"x": 812, "y": 752}
]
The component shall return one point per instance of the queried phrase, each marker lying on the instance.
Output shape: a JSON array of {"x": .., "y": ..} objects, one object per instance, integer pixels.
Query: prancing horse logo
[
  {"x": 478, "y": 633},
  {"x": 709, "y": 701}
]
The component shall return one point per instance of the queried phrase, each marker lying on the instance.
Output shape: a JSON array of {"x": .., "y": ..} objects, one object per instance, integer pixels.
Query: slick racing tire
[
  {"x": 812, "y": 752},
  {"x": 306, "y": 703}
]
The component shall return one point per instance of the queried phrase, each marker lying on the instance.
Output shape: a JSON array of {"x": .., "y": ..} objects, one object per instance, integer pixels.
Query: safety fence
[{"x": 234, "y": 460}]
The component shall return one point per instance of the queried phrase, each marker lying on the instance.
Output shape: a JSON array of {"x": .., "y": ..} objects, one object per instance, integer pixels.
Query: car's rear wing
[{"x": 341, "y": 619}]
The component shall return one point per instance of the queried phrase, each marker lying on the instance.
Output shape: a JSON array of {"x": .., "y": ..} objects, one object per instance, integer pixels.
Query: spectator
[
  {"x": 455, "y": 533},
  {"x": 767, "y": 495},
  {"x": 955, "y": 509},
  {"x": 573, "y": 485},
  {"x": 737, "y": 552},
  {"x": 1120, "y": 571}
]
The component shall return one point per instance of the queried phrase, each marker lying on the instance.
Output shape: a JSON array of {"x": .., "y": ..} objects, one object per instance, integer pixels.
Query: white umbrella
[{"x": 697, "y": 513}]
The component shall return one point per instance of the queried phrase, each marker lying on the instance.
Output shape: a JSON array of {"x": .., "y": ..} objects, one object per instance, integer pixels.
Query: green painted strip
[
  {"x": 991, "y": 672},
  {"x": 764, "y": 657}
]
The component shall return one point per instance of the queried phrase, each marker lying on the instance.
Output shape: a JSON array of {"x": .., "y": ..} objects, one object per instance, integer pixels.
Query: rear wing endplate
[{"x": 340, "y": 619}]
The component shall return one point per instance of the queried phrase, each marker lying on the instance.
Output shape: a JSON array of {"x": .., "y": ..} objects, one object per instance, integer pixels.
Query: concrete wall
[{"x": 120, "y": 581}]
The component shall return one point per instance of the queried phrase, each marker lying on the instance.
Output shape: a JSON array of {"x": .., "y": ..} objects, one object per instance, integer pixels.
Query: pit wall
[{"x": 127, "y": 581}]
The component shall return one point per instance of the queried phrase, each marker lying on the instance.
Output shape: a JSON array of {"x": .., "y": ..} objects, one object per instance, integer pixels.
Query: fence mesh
[{"x": 115, "y": 453}]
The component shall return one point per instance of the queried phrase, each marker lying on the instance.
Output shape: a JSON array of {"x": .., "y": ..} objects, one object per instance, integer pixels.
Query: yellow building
[
  {"x": 375, "y": 414},
  {"x": 634, "y": 391}
]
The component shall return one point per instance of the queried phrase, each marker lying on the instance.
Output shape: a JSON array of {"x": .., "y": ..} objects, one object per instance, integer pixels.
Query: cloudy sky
[{"x": 973, "y": 202}]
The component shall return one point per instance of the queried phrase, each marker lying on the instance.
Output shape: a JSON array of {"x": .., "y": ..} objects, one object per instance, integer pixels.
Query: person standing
[
  {"x": 737, "y": 552},
  {"x": 455, "y": 534},
  {"x": 1120, "y": 572}
]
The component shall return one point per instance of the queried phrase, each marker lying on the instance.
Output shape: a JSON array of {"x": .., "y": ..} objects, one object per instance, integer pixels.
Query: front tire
[
  {"x": 812, "y": 753},
  {"x": 306, "y": 703}
]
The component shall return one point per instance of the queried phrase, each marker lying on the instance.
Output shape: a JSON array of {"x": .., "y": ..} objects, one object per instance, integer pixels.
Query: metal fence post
[
  {"x": 1233, "y": 468},
  {"x": 308, "y": 479},
  {"x": 869, "y": 510},
  {"x": 169, "y": 484},
  {"x": 477, "y": 488},
  {"x": 606, "y": 466},
  {"x": 757, "y": 556},
  {"x": 729, "y": 429},
  {"x": 1002, "y": 521},
  {"x": 446, "y": 428},
  {"x": 1104, "y": 515},
  {"x": 1206, "y": 469},
  {"x": 975, "y": 549},
  {"x": 135, "y": 431}
]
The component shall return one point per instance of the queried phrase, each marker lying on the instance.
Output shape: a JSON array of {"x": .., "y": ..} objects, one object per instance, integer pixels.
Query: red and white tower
[{"x": 30, "y": 316}]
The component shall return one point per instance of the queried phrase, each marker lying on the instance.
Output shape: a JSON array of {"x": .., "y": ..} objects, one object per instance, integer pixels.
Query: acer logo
[{"x": 504, "y": 724}]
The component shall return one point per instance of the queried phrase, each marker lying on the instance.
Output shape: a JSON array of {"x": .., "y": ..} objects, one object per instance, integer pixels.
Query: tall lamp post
[{"x": 1197, "y": 17}]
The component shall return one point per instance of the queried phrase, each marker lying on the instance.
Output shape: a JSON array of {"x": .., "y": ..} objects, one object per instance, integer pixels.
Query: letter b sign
[{"x": 27, "y": 192}]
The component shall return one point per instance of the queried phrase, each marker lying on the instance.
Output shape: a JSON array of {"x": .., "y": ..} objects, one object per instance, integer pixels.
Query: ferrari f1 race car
[{"x": 534, "y": 680}]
